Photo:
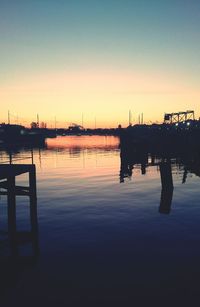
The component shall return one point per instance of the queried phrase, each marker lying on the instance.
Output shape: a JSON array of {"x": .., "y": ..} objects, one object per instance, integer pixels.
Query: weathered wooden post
[
  {"x": 32, "y": 181},
  {"x": 12, "y": 225},
  {"x": 33, "y": 211}
]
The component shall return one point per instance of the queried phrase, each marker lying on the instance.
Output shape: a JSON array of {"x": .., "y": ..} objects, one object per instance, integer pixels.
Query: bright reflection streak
[{"x": 84, "y": 142}]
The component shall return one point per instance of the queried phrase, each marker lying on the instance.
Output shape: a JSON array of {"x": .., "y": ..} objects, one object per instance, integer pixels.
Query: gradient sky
[{"x": 98, "y": 57}]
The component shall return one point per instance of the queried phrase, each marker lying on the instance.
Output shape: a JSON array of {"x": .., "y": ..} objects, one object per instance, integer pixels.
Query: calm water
[{"x": 103, "y": 241}]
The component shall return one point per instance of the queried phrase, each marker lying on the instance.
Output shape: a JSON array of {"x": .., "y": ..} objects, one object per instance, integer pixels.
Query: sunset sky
[{"x": 99, "y": 58}]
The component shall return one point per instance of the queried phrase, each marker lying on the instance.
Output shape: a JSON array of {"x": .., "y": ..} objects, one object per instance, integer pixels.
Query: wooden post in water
[
  {"x": 33, "y": 210},
  {"x": 32, "y": 182},
  {"x": 34, "y": 225},
  {"x": 12, "y": 225}
]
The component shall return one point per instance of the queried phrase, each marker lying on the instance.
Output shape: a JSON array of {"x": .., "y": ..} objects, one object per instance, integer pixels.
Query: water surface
[{"x": 104, "y": 236}]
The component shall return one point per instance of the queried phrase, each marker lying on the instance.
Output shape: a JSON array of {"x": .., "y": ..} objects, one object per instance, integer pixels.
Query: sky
[{"x": 94, "y": 60}]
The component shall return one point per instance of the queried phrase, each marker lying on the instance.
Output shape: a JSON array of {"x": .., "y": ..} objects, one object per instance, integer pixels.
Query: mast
[
  {"x": 142, "y": 118},
  {"x": 38, "y": 123},
  {"x": 8, "y": 117},
  {"x": 130, "y": 118},
  {"x": 55, "y": 122}
]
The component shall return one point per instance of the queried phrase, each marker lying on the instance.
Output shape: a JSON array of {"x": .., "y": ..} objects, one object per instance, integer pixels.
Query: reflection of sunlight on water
[{"x": 77, "y": 143}]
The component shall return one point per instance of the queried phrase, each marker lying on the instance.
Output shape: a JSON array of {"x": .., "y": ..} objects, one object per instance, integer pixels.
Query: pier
[
  {"x": 8, "y": 187},
  {"x": 178, "y": 132}
]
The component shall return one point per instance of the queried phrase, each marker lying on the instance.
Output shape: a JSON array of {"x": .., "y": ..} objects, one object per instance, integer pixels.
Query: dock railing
[{"x": 12, "y": 159}]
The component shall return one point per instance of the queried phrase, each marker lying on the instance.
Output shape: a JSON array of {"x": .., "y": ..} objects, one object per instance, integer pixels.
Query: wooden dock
[
  {"x": 8, "y": 187},
  {"x": 8, "y": 174}
]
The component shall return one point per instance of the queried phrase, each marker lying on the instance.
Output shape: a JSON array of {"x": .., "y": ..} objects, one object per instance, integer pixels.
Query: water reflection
[
  {"x": 94, "y": 143},
  {"x": 77, "y": 153},
  {"x": 167, "y": 187},
  {"x": 132, "y": 158},
  {"x": 98, "y": 235}
]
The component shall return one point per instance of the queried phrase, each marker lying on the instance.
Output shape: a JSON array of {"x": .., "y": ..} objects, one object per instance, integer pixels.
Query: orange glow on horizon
[{"x": 103, "y": 97}]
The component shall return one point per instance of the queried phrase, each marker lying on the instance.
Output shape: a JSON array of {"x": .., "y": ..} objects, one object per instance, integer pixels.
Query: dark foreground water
[{"x": 105, "y": 238}]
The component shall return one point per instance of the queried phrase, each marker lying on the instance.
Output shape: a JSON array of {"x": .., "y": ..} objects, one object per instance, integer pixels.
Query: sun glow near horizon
[{"x": 104, "y": 97}]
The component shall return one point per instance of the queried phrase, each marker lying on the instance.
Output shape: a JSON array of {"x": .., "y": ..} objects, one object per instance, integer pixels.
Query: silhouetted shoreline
[{"x": 163, "y": 138}]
